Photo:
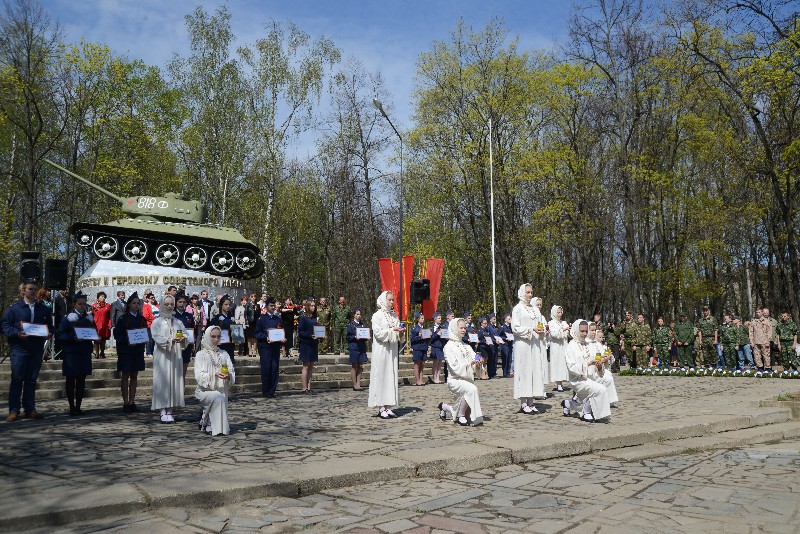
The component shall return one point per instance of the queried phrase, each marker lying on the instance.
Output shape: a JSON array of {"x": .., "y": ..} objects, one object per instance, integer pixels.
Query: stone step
[{"x": 331, "y": 372}]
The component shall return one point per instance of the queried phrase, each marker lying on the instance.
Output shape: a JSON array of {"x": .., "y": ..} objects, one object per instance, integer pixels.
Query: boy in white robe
[{"x": 592, "y": 394}]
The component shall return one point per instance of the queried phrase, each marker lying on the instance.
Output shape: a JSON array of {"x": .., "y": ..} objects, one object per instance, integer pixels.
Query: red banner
[
  {"x": 408, "y": 275},
  {"x": 390, "y": 281},
  {"x": 433, "y": 273}
]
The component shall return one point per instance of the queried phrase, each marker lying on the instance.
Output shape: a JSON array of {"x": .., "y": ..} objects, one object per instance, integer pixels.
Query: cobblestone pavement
[
  {"x": 750, "y": 489},
  {"x": 47, "y": 463}
]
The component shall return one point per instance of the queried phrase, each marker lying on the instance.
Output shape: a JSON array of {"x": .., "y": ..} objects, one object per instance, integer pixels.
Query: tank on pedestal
[{"x": 170, "y": 231}]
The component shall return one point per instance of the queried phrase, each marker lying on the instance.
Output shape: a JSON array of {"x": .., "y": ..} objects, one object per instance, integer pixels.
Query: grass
[{"x": 789, "y": 396}]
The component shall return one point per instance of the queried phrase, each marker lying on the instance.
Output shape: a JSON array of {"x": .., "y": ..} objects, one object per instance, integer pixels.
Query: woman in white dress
[
  {"x": 167, "y": 360},
  {"x": 529, "y": 341},
  {"x": 540, "y": 319},
  {"x": 214, "y": 373},
  {"x": 605, "y": 377},
  {"x": 559, "y": 332},
  {"x": 588, "y": 391},
  {"x": 386, "y": 329},
  {"x": 461, "y": 363}
]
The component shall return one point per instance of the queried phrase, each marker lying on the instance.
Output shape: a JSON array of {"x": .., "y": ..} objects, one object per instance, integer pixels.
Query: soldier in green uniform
[
  {"x": 744, "y": 353},
  {"x": 684, "y": 340},
  {"x": 341, "y": 318},
  {"x": 324, "y": 319},
  {"x": 641, "y": 341},
  {"x": 662, "y": 341},
  {"x": 787, "y": 341},
  {"x": 622, "y": 332},
  {"x": 729, "y": 341},
  {"x": 710, "y": 337},
  {"x": 612, "y": 341}
]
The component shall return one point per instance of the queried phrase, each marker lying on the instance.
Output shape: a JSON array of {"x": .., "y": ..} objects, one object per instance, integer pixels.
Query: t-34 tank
[{"x": 169, "y": 231}]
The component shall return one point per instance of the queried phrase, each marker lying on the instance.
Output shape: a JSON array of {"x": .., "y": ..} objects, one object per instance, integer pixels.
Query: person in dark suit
[
  {"x": 309, "y": 343},
  {"x": 130, "y": 358},
  {"x": 269, "y": 352},
  {"x": 117, "y": 308},
  {"x": 76, "y": 354},
  {"x": 224, "y": 320},
  {"x": 357, "y": 349}
]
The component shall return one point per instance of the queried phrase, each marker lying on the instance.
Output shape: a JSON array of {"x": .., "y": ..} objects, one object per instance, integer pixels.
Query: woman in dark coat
[
  {"x": 76, "y": 354},
  {"x": 357, "y": 349},
  {"x": 309, "y": 343},
  {"x": 130, "y": 358},
  {"x": 224, "y": 320}
]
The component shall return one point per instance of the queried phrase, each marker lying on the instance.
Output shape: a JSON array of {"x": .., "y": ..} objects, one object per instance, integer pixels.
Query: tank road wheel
[
  {"x": 167, "y": 254},
  {"x": 135, "y": 250},
  {"x": 84, "y": 239},
  {"x": 246, "y": 260},
  {"x": 222, "y": 261},
  {"x": 106, "y": 247},
  {"x": 195, "y": 257}
]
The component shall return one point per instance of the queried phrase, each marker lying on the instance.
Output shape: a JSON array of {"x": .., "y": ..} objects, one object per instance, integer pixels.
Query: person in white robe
[
  {"x": 590, "y": 393},
  {"x": 214, "y": 373},
  {"x": 461, "y": 363},
  {"x": 605, "y": 377},
  {"x": 383, "y": 375},
  {"x": 559, "y": 334},
  {"x": 528, "y": 347},
  {"x": 168, "y": 385},
  {"x": 542, "y": 320}
]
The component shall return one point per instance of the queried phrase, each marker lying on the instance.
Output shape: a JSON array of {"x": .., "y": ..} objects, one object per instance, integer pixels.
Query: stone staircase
[{"x": 330, "y": 372}]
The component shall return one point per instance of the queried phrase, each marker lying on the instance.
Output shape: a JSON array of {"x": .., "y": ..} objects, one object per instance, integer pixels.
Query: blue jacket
[
  {"x": 186, "y": 318},
  {"x": 66, "y": 334},
  {"x": 305, "y": 331},
  {"x": 20, "y": 312},
  {"x": 224, "y": 322},
  {"x": 355, "y": 346},
  {"x": 417, "y": 343},
  {"x": 436, "y": 337},
  {"x": 264, "y": 323},
  {"x": 124, "y": 323}
]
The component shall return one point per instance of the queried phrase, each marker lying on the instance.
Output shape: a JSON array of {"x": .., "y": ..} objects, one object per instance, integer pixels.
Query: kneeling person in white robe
[
  {"x": 214, "y": 373},
  {"x": 592, "y": 394},
  {"x": 605, "y": 377},
  {"x": 461, "y": 378}
]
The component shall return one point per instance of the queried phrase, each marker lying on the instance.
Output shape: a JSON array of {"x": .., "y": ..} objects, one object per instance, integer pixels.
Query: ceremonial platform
[{"x": 65, "y": 469}]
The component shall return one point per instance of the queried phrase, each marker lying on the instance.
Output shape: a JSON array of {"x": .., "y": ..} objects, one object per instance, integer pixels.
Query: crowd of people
[{"x": 526, "y": 346}]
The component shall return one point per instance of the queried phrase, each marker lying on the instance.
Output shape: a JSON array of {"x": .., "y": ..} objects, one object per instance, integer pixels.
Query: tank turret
[{"x": 171, "y": 231}]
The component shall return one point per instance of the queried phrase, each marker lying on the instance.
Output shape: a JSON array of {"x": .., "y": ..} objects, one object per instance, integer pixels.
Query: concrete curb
[{"x": 67, "y": 504}]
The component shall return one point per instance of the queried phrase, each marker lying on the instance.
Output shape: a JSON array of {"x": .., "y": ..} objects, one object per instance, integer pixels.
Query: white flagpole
[{"x": 491, "y": 212}]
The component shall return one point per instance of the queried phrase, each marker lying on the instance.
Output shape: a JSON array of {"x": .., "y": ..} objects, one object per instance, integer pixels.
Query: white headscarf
[
  {"x": 206, "y": 343},
  {"x": 553, "y": 311},
  {"x": 452, "y": 329},
  {"x": 162, "y": 312},
  {"x": 382, "y": 303},
  {"x": 533, "y": 303},
  {"x": 590, "y": 330},
  {"x": 576, "y": 329},
  {"x": 521, "y": 294}
]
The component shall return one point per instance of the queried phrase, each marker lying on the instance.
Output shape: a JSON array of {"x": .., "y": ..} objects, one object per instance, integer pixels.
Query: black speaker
[
  {"x": 56, "y": 273},
  {"x": 420, "y": 290},
  {"x": 30, "y": 267}
]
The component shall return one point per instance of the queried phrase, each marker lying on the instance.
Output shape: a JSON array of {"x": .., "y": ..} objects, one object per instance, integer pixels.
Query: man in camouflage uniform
[
  {"x": 744, "y": 353},
  {"x": 624, "y": 331},
  {"x": 684, "y": 340},
  {"x": 708, "y": 330},
  {"x": 324, "y": 318},
  {"x": 787, "y": 341},
  {"x": 641, "y": 341},
  {"x": 662, "y": 341},
  {"x": 728, "y": 341},
  {"x": 774, "y": 351},
  {"x": 341, "y": 318}
]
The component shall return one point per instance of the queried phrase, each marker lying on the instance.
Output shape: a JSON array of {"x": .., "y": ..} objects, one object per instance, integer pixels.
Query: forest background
[{"x": 651, "y": 162}]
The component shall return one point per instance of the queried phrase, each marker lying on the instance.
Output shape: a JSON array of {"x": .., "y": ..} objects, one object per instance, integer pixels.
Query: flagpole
[{"x": 491, "y": 211}]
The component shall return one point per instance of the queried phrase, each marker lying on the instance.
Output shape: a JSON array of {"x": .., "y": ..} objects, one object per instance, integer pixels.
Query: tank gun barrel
[{"x": 84, "y": 180}]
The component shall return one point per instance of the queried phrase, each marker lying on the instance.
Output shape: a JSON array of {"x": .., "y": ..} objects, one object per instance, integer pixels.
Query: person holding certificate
[
  {"x": 271, "y": 336},
  {"x": 224, "y": 320},
  {"x": 485, "y": 347},
  {"x": 168, "y": 336},
  {"x": 186, "y": 315},
  {"x": 132, "y": 336},
  {"x": 386, "y": 332},
  {"x": 357, "y": 336},
  {"x": 214, "y": 373},
  {"x": 437, "y": 346},
  {"x": 419, "y": 347},
  {"x": 309, "y": 337},
  {"x": 26, "y": 324},
  {"x": 76, "y": 335}
]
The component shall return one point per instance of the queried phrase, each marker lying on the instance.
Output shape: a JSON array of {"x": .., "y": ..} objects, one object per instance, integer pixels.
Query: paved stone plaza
[{"x": 326, "y": 462}]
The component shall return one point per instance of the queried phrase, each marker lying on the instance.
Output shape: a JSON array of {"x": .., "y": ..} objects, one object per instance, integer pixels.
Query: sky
[{"x": 386, "y": 35}]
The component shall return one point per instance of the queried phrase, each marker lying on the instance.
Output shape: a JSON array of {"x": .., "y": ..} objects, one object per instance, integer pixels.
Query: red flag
[
  {"x": 434, "y": 274},
  {"x": 388, "y": 282}
]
